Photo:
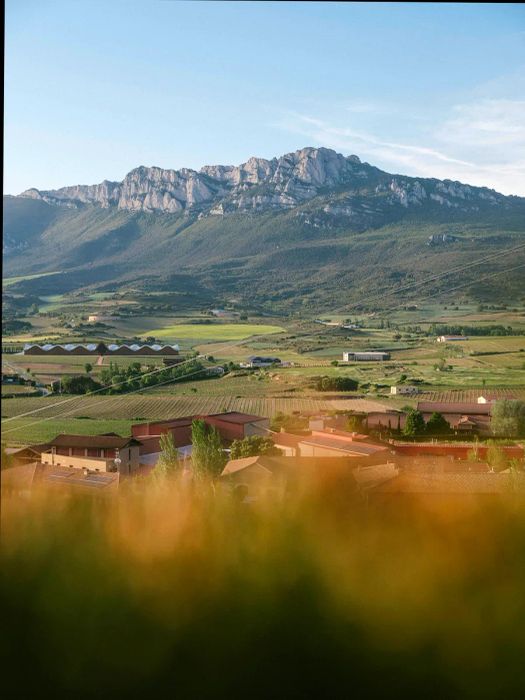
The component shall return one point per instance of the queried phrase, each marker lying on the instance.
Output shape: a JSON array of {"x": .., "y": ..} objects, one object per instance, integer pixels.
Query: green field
[
  {"x": 8, "y": 281},
  {"x": 101, "y": 414},
  {"x": 479, "y": 364},
  {"x": 213, "y": 331}
]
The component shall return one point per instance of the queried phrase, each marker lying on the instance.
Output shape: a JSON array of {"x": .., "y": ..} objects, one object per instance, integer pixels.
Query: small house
[{"x": 372, "y": 356}]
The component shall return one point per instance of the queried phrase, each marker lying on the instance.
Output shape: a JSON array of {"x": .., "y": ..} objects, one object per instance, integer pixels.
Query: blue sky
[{"x": 94, "y": 89}]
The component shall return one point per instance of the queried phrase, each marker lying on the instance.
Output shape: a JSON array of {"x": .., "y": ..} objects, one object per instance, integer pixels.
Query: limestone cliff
[{"x": 281, "y": 183}]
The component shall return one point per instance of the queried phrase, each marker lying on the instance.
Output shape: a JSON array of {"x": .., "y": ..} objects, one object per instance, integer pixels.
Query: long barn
[{"x": 101, "y": 349}]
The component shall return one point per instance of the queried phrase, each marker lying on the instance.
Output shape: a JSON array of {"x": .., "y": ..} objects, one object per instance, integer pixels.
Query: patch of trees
[
  {"x": 13, "y": 325},
  {"x": 437, "y": 425},
  {"x": 335, "y": 384},
  {"x": 207, "y": 455},
  {"x": 134, "y": 377},
  {"x": 290, "y": 422},
  {"x": 252, "y": 446},
  {"x": 81, "y": 384},
  {"x": 415, "y": 424},
  {"x": 508, "y": 418},
  {"x": 119, "y": 380},
  {"x": 495, "y": 330},
  {"x": 169, "y": 464}
]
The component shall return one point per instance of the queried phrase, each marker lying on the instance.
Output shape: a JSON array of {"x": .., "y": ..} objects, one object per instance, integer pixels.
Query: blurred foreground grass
[{"x": 167, "y": 592}]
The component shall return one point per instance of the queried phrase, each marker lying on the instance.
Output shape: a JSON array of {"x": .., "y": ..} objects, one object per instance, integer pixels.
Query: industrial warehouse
[{"x": 100, "y": 349}]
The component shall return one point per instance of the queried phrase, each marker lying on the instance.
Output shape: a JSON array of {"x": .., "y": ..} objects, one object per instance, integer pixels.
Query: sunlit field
[
  {"x": 214, "y": 331},
  {"x": 167, "y": 591}
]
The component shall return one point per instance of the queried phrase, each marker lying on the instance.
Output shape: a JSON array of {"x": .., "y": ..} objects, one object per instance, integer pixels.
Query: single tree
[
  {"x": 355, "y": 422},
  {"x": 414, "y": 424},
  {"x": 508, "y": 418},
  {"x": 437, "y": 425},
  {"x": 208, "y": 456},
  {"x": 169, "y": 464},
  {"x": 496, "y": 458},
  {"x": 88, "y": 367}
]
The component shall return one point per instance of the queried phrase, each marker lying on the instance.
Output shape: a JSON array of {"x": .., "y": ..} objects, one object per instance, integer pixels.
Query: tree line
[
  {"x": 496, "y": 330},
  {"x": 119, "y": 380}
]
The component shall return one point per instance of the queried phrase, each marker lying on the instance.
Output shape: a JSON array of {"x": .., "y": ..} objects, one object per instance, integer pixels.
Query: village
[
  {"x": 263, "y": 351},
  {"x": 437, "y": 451}
]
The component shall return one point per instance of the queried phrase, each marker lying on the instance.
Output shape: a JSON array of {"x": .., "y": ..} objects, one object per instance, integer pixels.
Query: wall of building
[
  {"x": 460, "y": 451},
  {"x": 81, "y": 458},
  {"x": 94, "y": 463}
]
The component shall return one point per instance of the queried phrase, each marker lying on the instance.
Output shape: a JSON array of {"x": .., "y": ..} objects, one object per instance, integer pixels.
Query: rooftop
[
  {"x": 235, "y": 417},
  {"x": 355, "y": 448},
  {"x": 462, "y": 407},
  {"x": 76, "y": 478},
  {"x": 103, "y": 441}
]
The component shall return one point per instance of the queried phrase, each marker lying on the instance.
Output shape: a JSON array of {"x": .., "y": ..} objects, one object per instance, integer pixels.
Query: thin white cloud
[
  {"x": 486, "y": 123},
  {"x": 368, "y": 107},
  {"x": 481, "y": 143}
]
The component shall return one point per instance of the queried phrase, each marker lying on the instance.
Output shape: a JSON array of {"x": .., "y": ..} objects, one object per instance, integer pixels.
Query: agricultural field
[
  {"x": 9, "y": 281},
  {"x": 213, "y": 331},
  {"x": 17, "y": 389},
  {"x": 91, "y": 414},
  {"x": 468, "y": 368},
  {"x": 471, "y": 395},
  {"x": 47, "y": 368}
]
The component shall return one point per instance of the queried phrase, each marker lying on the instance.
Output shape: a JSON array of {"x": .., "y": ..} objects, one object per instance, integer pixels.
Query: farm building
[
  {"x": 403, "y": 390},
  {"x": 450, "y": 338},
  {"x": 258, "y": 361},
  {"x": 460, "y": 415},
  {"x": 372, "y": 356},
  {"x": 329, "y": 443},
  {"x": 12, "y": 379},
  {"x": 391, "y": 420},
  {"x": 486, "y": 399},
  {"x": 93, "y": 452},
  {"x": 225, "y": 313},
  {"x": 336, "y": 443},
  {"x": 251, "y": 477},
  {"x": 230, "y": 425},
  {"x": 101, "y": 349},
  {"x": 22, "y": 479}
]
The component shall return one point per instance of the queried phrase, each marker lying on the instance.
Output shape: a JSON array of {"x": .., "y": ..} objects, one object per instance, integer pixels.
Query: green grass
[
  {"x": 17, "y": 389},
  {"x": 27, "y": 431},
  {"x": 214, "y": 331},
  {"x": 8, "y": 281},
  {"x": 100, "y": 414}
]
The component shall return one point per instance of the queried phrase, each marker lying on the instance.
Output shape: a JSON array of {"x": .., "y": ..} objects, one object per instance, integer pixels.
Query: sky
[{"x": 96, "y": 88}]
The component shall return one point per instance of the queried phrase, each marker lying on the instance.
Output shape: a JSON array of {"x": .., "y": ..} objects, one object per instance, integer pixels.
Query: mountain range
[{"x": 310, "y": 228}]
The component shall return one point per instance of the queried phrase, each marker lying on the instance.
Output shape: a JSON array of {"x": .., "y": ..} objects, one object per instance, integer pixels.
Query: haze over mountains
[{"x": 306, "y": 227}]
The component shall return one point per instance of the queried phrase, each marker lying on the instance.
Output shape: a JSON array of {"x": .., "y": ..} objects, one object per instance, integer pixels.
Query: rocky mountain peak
[{"x": 285, "y": 182}]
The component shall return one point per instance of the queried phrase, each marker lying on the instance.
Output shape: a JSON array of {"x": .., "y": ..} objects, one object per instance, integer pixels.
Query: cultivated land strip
[
  {"x": 471, "y": 395},
  {"x": 162, "y": 407}
]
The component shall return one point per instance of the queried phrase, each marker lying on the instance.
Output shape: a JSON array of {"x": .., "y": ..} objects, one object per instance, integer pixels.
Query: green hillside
[{"x": 285, "y": 258}]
